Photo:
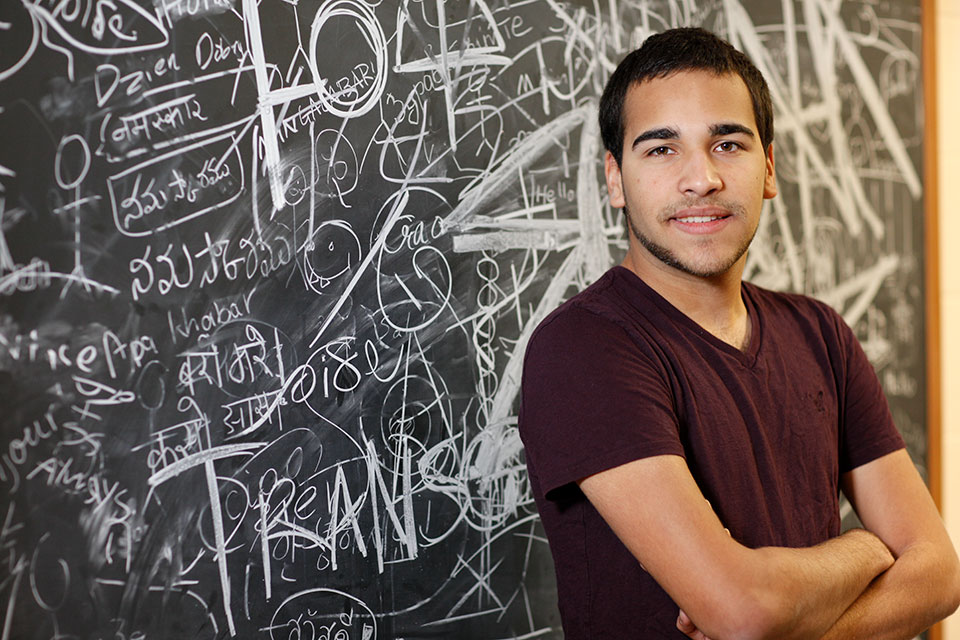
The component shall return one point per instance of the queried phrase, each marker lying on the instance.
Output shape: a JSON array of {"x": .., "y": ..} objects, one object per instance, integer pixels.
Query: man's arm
[
  {"x": 923, "y": 585},
  {"x": 728, "y": 590}
]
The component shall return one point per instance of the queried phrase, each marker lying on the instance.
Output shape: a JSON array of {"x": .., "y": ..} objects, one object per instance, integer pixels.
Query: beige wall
[{"x": 948, "y": 55}]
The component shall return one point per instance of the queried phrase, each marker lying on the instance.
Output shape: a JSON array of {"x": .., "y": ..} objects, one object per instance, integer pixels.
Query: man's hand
[
  {"x": 923, "y": 585},
  {"x": 735, "y": 591}
]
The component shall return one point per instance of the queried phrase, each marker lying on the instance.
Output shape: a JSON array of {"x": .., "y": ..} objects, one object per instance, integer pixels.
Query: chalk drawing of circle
[
  {"x": 333, "y": 251},
  {"x": 357, "y": 91},
  {"x": 337, "y": 162},
  {"x": 21, "y": 35},
  {"x": 234, "y": 504},
  {"x": 71, "y": 177},
  {"x": 413, "y": 413},
  {"x": 339, "y": 613}
]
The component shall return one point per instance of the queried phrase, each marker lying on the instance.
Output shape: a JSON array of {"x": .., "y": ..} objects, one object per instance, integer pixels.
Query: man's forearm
[
  {"x": 817, "y": 585},
  {"x": 800, "y": 593},
  {"x": 917, "y": 591}
]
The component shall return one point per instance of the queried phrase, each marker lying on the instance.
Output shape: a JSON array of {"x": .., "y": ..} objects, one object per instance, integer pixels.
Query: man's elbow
[
  {"x": 757, "y": 614},
  {"x": 769, "y": 615},
  {"x": 949, "y": 601},
  {"x": 935, "y": 570}
]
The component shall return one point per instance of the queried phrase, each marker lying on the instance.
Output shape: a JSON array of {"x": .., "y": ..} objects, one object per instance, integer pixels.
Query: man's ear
[
  {"x": 611, "y": 170},
  {"x": 770, "y": 178}
]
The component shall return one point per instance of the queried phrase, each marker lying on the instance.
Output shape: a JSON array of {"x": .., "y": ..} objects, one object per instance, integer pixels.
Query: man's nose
[{"x": 700, "y": 176}]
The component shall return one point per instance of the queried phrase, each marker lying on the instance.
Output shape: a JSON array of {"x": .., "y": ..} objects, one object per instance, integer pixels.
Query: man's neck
[{"x": 714, "y": 303}]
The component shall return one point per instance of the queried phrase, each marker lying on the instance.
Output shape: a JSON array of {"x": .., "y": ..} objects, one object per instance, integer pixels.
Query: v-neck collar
[{"x": 747, "y": 357}]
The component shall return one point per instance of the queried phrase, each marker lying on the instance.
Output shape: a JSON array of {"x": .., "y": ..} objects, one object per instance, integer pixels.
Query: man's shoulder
[
  {"x": 600, "y": 307},
  {"x": 804, "y": 317},
  {"x": 787, "y": 302}
]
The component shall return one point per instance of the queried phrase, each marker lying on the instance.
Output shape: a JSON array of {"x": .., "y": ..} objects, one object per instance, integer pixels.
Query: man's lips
[
  {"x": 703, "y": 221},
  {"x": 700, "y": 215},
  {"x": 698, "y": 219}
]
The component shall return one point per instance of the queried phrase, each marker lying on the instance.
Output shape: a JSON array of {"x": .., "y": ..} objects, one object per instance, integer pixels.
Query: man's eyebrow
[
  {"x": 663, "y": 133},
  {"x": 727, "y": 128}
]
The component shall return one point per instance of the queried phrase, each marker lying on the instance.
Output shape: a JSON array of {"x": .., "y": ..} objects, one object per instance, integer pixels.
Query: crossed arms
[{"x": 892, "y": 579}]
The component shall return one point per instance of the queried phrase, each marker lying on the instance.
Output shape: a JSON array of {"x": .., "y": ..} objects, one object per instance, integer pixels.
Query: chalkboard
[{"x": 268, "y": 267}]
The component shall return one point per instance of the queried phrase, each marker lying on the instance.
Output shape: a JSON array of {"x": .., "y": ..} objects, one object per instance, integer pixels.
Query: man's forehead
[
  {"x": 690, "y": 75},
  {"x": 682, "y": 99}
]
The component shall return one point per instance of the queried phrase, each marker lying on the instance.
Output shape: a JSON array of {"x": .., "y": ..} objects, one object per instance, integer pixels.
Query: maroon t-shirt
[{"x": 617, "y": 373}]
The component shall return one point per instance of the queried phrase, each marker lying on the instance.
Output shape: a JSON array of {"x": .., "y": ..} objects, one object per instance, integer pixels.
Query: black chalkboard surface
[{"x": 268, "y": 267}]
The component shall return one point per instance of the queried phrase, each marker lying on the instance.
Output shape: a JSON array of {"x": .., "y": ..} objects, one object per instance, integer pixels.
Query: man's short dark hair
[{"x": 684, "y": 49}]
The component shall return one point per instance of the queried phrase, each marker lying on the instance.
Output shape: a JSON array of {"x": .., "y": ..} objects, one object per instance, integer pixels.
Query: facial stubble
[{"x": 669, "y": 258}]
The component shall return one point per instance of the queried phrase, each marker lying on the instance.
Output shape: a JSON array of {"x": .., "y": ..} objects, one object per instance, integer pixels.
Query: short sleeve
[
  {"x": 867, "y": 428},
  {"x": 591, "y": 400}
]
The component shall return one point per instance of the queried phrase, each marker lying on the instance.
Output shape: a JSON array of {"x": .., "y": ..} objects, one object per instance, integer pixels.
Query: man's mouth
[
  {"x": 706, "y": 220},
  {"x": 699, "y": 219}
]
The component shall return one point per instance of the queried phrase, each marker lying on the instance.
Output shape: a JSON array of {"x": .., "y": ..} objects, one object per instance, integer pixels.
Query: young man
[{"x": 687, "y": 434}]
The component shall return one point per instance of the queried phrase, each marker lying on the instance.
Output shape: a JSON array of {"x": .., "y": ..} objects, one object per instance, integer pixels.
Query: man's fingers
[
  {"x": 725, "y": 529},
  {"x": 685, "y": 624},
  {"x": 689, "y": 629}
]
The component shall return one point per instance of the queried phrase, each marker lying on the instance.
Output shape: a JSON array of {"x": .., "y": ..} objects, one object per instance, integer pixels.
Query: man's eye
[
  {"x": 659, "y": 151},
  {"x": 729, "y": 145}
]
